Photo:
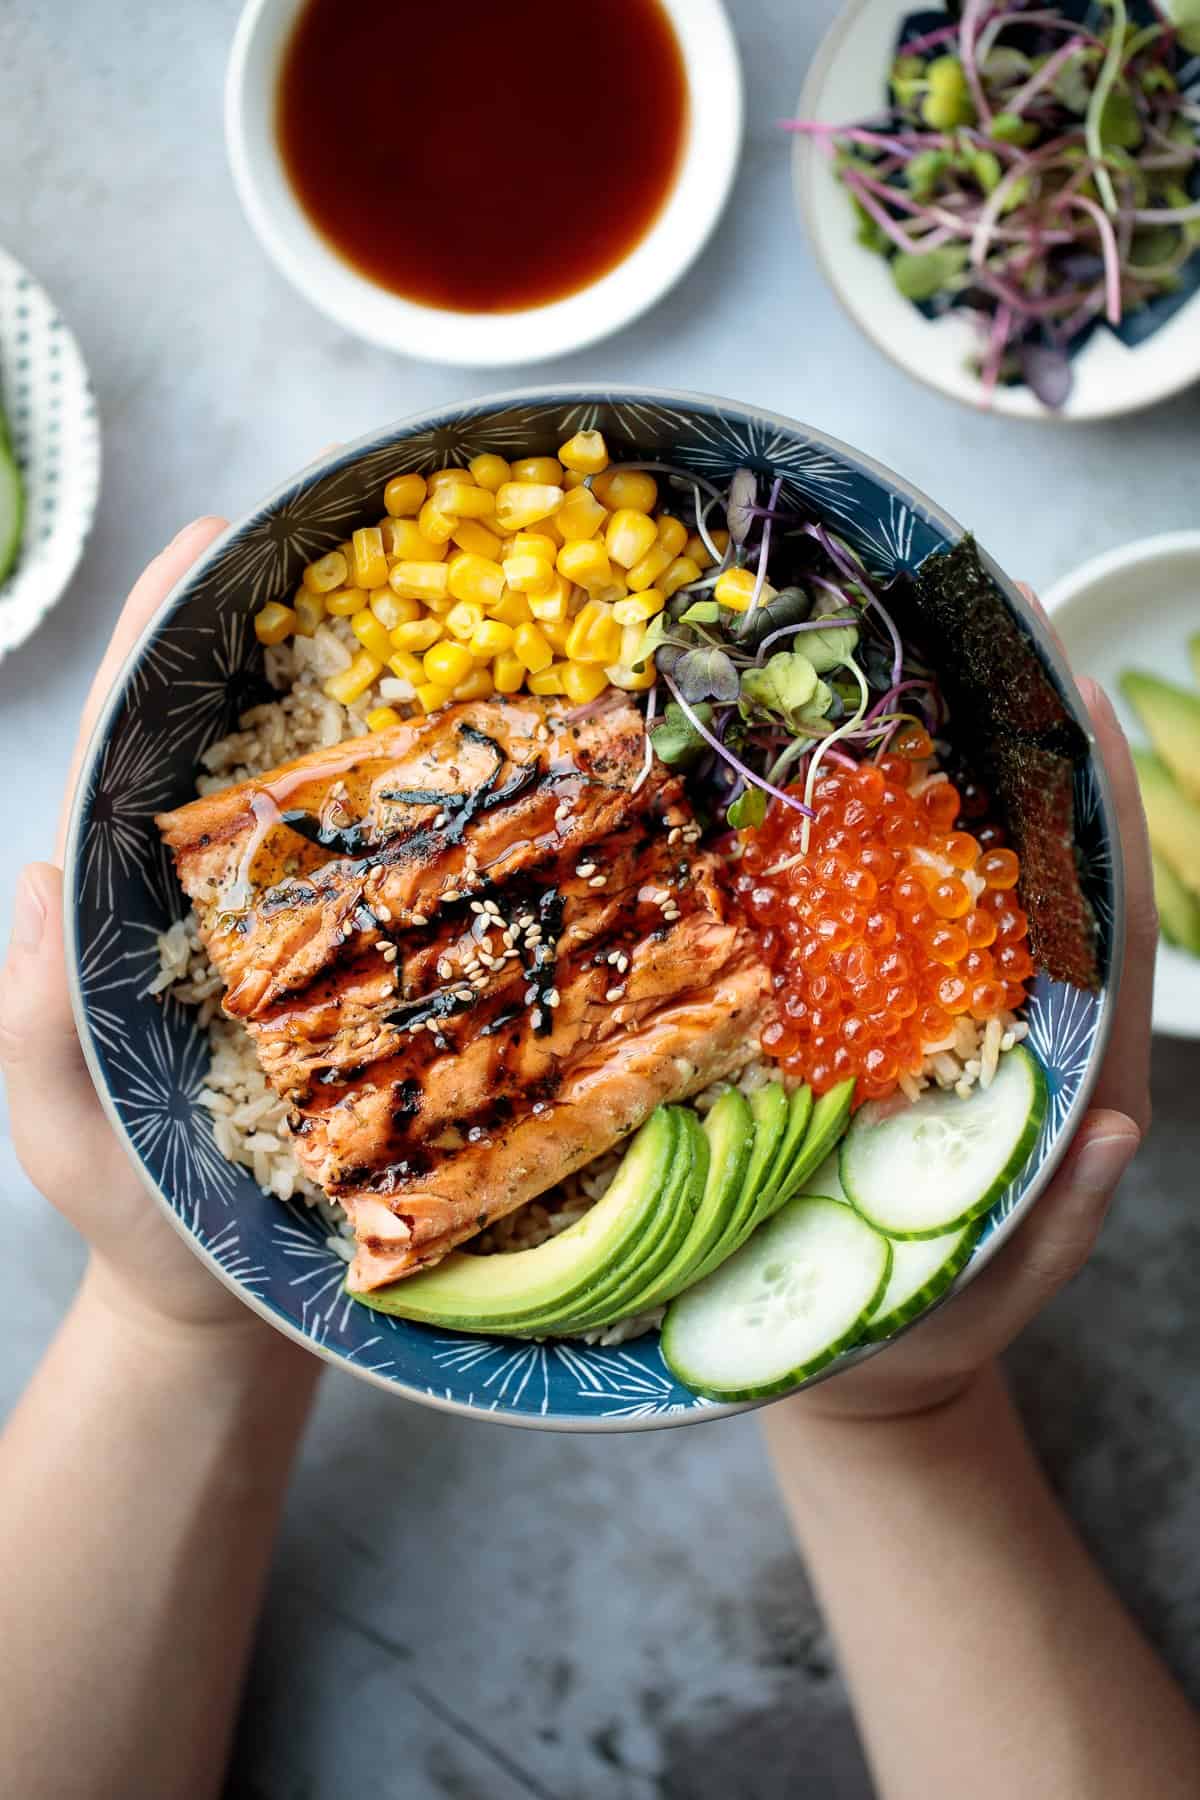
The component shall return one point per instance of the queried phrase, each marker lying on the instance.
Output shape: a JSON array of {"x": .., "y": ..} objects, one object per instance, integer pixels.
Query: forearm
[
  {"x": 140, "y": 1484},
  {"x": 984, "y": 1652}
]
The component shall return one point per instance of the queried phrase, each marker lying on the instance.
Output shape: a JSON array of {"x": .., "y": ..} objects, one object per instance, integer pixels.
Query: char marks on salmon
[{"x": 473, "y": 952}]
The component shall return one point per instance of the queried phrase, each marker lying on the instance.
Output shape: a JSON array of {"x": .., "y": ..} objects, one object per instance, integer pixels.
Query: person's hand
[
  {"x": 940, "y": 1357},
  {"x": 139, "y": 1265}
]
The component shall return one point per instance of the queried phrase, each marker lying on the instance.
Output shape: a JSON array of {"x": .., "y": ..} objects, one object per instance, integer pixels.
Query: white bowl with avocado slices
[{"x": 1131, "y": 620}]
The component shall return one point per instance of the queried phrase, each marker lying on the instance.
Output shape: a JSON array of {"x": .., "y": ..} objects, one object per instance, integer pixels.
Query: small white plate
[
  {"x": 707, "y": 167},
  {"x": 846, "y": 84},
  {"x": 51, "y": 415},
  {"x": 1136, "y": 608}
]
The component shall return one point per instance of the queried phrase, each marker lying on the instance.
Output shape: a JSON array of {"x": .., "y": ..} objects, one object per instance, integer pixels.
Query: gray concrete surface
[{"x": 459, "y": 1611}]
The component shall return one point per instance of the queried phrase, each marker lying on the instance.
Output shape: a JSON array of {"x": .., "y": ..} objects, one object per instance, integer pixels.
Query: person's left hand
[{"x": 140, "y": 1263}]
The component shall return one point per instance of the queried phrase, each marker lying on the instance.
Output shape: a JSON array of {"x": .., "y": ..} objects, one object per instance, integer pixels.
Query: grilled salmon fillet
[{"x": 473, "y": 952}]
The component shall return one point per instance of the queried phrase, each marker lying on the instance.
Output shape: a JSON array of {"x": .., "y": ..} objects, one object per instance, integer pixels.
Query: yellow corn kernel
[
  {"x": 404, "y": 496},
  {"x": 432, "y": 696},
  {"x": 407, "y": 667},
  {"x": 539, "y": 469},
  {"x": 511, "y": 609},
  {"x": 585, "y": 560},
  {"x": 347, "y": 553},
  {"x": 490, "y": 638},
  {"x": 327, "y": 573},
  {"x": 370, "y": 563},
  {"x": 344, "y": 601},
  {"x": 470, "y": 535},
  {"x": 735, "y": 589},
  {"x": 626, "y": 489},
  {"x": 698, "y": 551},
  {"x": 633, "y": 681},
  {"x": 440, "y": 604},
  {"x": 595, "y": 636},
  {"x": 508, "y": 672},
  {"x": 463, "y": 500},
  {"x": 448, "y": 663},
  {"x": 646, "y": 572},
  {"x": 521, "y": 503},
  {"x": 530, "y": 543},
  {"x": 527, "y": 573},
  {"x": 417, "y": 634},
  {"x": 629, "y": 535},
  {"x": 420, "y": 580},
  {"x": 404, "y": 541},
  {"x": 309, "y": 609},
  {"x": 490, "y": 472},
  {"x": 533, "y": 648},
  {"x": 440, "y": 477},
  {"x": 382, "y": 718},
  {"x": 463, "y": 620},
  {"x": 556, "y": 632},
  {"x": 355, "y": 680},
  {"x": 547, "y": 681},
  {"x": 274, "y": 622},
  {"x": 580, "y": 515},
  {"x": 680, "y": 572},
  {"x": 475, "y": 578},
  {"x": 392, "y": 609},
  {"x": 434, "y": 523},
  {"x": 639, "y": 608},
  {"x": 478, "y": 685},
  {"x": 611, "y": 591},
  {"x": 371, "y": 634},
  {"x": 720, "y": 539},
  {"x": 573, "y": 478},
  {"x": 554, "y": 601},
  {"x": 586, "y": 452},
  {"x": 672, "y": 533},
  {"x": 583, "y": 682}
]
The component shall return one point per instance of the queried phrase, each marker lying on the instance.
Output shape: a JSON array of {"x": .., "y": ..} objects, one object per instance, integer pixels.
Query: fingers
[
  {"x": 1052, "y": 1245},
  {"x": 1125, "y": 1079},
  {"x": 148, "y": 593},
  {"x": 43, "y": 1066}
]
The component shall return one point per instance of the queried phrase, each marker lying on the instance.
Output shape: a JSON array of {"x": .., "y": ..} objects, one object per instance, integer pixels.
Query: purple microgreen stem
[{"x": 715, "y": 743}]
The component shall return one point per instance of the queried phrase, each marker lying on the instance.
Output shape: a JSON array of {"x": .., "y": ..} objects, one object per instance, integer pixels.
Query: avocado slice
[
  {"x": 769, "y": 1112},
  {"x": 800, "y": 1106},
  {"x": 1171, "y": 716},
  {"x": 729, "y": 1134},
  {"x": 629, "y": 1287},
  {"x": 830, "y": 1117},
  {"x": 1178, "y": 910},
  {"x": 500, "y": 1293},
  {"x": 1173, "y": 819}
]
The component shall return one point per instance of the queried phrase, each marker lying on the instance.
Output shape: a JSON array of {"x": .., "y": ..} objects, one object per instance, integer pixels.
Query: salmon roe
[{"x": 895, "y": 923}]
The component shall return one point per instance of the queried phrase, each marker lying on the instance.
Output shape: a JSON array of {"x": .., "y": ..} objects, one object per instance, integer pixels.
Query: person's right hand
[{"x": 942, "y": 1355}]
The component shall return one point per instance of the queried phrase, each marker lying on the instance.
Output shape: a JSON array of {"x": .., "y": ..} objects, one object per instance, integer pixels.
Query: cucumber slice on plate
[
  {"x": 922, "y": 1270},
  {"x": 12, "y": 504},
  {"x": 799, "y": 1291},
  {"x": 926, "y": 1168}
]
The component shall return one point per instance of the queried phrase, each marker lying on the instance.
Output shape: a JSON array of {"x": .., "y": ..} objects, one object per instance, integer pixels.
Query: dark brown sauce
[{"x": 499, "y": 159}]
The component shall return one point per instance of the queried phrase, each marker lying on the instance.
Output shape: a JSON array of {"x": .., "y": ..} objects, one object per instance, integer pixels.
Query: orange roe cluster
[{"x": 892, "y": 925}]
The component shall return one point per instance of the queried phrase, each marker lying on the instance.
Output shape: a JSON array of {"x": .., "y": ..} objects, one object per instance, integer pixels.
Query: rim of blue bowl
[{"x": 344, "y": 456}]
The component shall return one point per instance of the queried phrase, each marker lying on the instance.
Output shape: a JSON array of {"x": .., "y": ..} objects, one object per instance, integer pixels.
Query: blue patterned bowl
[{"x": 196, "y": 668}]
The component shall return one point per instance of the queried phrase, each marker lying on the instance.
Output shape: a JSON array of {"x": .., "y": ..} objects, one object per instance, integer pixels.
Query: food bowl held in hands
[{"x": 198, "y": 668}]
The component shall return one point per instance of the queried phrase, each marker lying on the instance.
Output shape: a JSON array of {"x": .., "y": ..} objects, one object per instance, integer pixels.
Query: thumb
[{"x": 46, "y": 1075}]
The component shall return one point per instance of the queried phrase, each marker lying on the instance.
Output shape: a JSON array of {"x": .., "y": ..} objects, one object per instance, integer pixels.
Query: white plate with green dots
[{"x": 53, "y": 436}]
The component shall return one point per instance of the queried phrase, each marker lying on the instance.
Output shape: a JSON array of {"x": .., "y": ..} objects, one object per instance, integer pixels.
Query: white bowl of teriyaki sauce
[{"x": 482, "y": 184}]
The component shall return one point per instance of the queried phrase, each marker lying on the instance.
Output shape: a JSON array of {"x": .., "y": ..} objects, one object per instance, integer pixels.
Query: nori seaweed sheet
[{"x": 1010, "y": 724}]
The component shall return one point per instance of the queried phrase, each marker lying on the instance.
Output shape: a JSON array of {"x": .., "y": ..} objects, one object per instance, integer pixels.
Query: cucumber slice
[
  {"x": 920, "y": 1170},
  {"x": 922, "y": 1270},
  {"x": 795, "y": 1295},
  {"x": 12, "y": 506}
]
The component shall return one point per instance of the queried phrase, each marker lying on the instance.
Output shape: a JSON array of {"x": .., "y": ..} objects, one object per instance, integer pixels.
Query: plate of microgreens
[{"x": 1006, "y": 197}]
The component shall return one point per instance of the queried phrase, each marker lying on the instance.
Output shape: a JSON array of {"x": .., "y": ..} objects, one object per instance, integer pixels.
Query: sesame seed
[
  {"x": 390, "y": 954},
  {"x": 476, "y": 906},
  {"x": 485, "y": 945},
  {"x": 439, "y": 821},
  {"x": 551, "y": 996},
  {"x": 479, "y": 982},
  {"x": 614, "y": 993},
  {"x": 530, "y": 995},
  {"x": 445, "y": 968},
  {"x": 584, "y": 869},
  {"x": 510, "y": 934},
  {"x": 417, "y": 1025},
  {"x": 674, "y": 835},
  {"x": 420, "y": 918},
  {"x": 489, "y": 906},
  {"x": 384, "y": 913},
  {"x": 622, "y": 961},
  {"x": 535, "y": 1017},
  {"x": 489, "y": 962},
  {"x": 598, "y": 881},
  {"x": 471, "y": 966}
]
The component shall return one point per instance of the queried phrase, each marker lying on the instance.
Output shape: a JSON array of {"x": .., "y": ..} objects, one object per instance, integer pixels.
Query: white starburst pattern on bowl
[
  {"x": 637, "y": 1388},
  {"x": 108, "y": 968},
  {"x": 157, "y": 1092},
  {"x": 1062, "y": 1025},
  {"x": 133, "y": 781},
  {"x": 226, "y": 1248},
  {"x": 206, "y": 704}
]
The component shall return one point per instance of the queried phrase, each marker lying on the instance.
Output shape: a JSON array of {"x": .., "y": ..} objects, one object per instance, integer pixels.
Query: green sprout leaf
[
  {"x": 701, "y": 612},
  {"x": 1011, "y": 128},
  {"x": 706, "y": 673},
  {"x": 920, "y": 277},
  {"x": 749, "y": 810},
  {"x": 676, "y": 740}
]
